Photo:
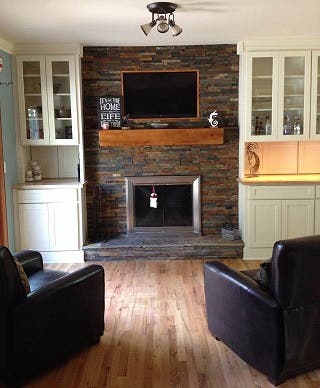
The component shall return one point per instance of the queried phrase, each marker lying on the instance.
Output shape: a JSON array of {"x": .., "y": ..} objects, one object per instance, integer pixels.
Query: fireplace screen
[
  {"x": 178, "y": 203},
  {"x": 174, "y": 206}
]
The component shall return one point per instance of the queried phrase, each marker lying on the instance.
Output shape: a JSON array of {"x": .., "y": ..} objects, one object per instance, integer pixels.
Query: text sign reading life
[{"x": 109, "y": 112}]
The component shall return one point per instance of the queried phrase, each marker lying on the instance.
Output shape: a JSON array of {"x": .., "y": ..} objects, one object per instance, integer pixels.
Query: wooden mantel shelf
[{"x": 161, "y": 137}]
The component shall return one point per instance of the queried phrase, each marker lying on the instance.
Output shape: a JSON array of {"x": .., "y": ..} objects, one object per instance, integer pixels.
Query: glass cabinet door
[
  {"x": 32, "y": 100},
  {"x": 315, "y": 97},
  {"x": 261, "y": 96},
  {"x": 61, "y": 100},
  {"x": 294, "y": 100}
]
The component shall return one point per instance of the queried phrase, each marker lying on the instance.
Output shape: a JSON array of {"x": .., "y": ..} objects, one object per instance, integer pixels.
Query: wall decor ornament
[
  {"x": 253, "y": 158},
  {"x": 213, "y": 119}
]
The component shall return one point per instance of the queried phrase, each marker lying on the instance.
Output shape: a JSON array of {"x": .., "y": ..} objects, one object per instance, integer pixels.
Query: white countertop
[
  {"x": 281, "y": 179},
  {"x": 58, "y": 183}
]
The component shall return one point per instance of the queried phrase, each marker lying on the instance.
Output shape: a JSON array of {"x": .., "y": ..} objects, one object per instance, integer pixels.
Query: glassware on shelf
[
  {"x": 268, "y": 126},
  {"x": 297, "y": 126},
  {"x": 33, "y": 116},
  {"x": 287, "y": 127}
]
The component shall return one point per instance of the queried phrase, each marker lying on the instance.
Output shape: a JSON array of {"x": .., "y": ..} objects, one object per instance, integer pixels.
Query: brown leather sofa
[
  {"x": 63, "y": 313},
  {"x": 273, "y": 325}
]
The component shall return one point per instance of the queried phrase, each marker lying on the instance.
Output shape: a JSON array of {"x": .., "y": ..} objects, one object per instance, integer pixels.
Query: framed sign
[{"x": 109, "y": 112}]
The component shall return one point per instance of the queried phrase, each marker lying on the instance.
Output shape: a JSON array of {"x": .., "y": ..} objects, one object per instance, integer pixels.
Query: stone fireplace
[
  {"x": 217, "y": 165},
  {"x": 177, "y": 206}
]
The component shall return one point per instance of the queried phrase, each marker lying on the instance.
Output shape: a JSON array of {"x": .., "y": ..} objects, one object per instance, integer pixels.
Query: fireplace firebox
[{"x": 177, "y": 207}]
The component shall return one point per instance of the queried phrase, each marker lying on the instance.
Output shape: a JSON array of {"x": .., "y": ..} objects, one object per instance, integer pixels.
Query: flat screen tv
[{"x": 160, "y": 94}]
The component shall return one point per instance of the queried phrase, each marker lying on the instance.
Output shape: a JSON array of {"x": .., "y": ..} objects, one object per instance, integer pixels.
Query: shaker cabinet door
[
  {"x": 64, "y": 226},
  {"x": 264, "y": 222},
  {"x": 34, "y": 226}
]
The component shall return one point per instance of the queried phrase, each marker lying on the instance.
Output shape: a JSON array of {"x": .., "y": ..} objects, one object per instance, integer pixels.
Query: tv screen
[{"x": 160, "y": 94}]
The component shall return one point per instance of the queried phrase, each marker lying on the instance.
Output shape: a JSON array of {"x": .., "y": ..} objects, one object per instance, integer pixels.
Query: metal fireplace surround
[{"x": 194, "y": 181}]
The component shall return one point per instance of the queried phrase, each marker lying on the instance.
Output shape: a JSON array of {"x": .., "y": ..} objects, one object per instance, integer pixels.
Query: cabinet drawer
[
  {"x": 281, "y": 192},
  {"x": 54, "y": 195}
]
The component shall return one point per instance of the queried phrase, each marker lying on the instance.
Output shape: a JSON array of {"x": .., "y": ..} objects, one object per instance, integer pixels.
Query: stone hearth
[{"x": 159, "y": 246}]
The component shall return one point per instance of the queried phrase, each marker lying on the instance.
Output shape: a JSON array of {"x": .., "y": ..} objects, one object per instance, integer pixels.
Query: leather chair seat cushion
[{"x": 42, "y": 278}]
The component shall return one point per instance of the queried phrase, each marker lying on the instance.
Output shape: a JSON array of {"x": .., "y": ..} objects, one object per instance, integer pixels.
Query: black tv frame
[{"x": 160, "y": 118}]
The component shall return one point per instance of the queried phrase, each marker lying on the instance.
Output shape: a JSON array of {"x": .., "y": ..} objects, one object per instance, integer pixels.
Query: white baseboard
[
  {"x": 257, "y": 253},
  {"x": 63, "y": 257}
]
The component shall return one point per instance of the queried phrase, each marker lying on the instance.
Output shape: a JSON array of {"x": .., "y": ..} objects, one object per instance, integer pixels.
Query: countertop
[
  {"x": 62, "y": 183},
  {"x": 281, "y": 179}
]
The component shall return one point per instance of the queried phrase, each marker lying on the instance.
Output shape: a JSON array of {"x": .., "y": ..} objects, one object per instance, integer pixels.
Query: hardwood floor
[{"x": 156, "y": 335}]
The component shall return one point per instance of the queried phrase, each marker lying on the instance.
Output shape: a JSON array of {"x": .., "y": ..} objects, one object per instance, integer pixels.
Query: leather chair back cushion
[
  {"x": 295, "y": 271},
  {"x": 11, "y": 293},
  {"x": 23, "y": 276}
]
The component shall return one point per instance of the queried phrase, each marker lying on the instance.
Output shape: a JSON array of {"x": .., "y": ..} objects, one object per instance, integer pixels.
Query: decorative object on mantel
[
  {"x": 212, "y": 119},
  {"x": 163, "y": 22},
  {"x": 253, "y": 158},
  {"x": 125, "y": 122},
  {"x": 109, "y": 112},
  {"x": 159, "y": 125},
  {"x": 161, "y": 137}
]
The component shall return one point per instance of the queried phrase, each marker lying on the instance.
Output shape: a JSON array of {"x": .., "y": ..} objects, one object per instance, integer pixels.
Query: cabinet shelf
[
  {"x": 31, "y": 75},
  {"x": 32, "y": 94},
  {"x": 161, "y": 137},
  {"x": 262, "y": 77}
]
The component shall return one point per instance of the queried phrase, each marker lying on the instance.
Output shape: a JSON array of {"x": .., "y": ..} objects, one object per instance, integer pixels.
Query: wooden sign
[{"x": 109, "y": 112}]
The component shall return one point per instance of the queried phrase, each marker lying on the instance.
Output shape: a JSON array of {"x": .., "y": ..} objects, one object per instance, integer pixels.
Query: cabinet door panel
[
  {"x": 31, "y": 80},
  {"x": 261, "y": 104},
  {"x": 34, "y": 226},
  {"x": 315, "y": 96},
  {"x": 264, "y": 222},
  {"x": 317, "y": 217},
  {"x": 62, "y": 107},
  {"x": 294, "y": 95},
  {"x": 297, "y": 218},
  {"x": 64, "y": 227}
]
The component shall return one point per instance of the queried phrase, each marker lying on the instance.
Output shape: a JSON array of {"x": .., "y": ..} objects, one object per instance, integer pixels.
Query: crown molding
[
  {"x": 279, "y": 44},
  {"x": 48, "y": 48},
  {"x": 6, "y": 46}
]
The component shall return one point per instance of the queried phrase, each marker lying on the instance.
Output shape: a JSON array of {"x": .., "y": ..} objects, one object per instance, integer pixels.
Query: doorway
[{"x": 3, "y": 209}]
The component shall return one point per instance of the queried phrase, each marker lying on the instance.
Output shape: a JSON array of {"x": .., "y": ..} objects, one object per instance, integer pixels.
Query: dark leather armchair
[
  {"x": 274, "y": 327},
  {"x": 63, "y": 313}
]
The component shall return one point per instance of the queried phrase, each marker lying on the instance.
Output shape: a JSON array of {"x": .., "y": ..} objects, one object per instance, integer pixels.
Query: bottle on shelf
[
  {"x": 287, "y": 127},
  {"x": 297, "y": 126},
  {"x": 268, "y": 126}
]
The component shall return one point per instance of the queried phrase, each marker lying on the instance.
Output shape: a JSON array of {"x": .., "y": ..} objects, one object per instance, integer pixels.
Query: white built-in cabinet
[
  {"x": 281, "y": 95},
  {"x": 50, "y": 215},
  {"x": 278, "y": 212},
  {"x": 47, "y": 99},
  {"x": 50, "y": 222}
]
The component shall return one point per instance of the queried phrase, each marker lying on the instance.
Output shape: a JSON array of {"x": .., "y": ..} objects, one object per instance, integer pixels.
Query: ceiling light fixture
[{"x": 162, "y": 16}]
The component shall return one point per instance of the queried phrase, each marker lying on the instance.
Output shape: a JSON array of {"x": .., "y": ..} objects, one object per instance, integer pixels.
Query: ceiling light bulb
[
  {"x": 163, "y": 26},
  {"x": 146, "y": 28},
  {"x": 175, "y": 29}
]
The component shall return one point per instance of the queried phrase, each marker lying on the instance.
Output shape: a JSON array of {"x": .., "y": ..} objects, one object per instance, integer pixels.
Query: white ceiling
[{"x": 112, "y": 23}]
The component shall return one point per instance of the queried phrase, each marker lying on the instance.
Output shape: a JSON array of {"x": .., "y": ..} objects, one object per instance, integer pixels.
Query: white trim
[
  {"x": 278, "y": 44},
  {"x": 6, "y": 46},
  {"x": 48, "y": 49},
  {"x": 63, "y": 257}
]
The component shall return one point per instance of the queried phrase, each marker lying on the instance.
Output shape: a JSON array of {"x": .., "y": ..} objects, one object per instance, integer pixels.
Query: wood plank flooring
[{"x": 156, "y": 335}]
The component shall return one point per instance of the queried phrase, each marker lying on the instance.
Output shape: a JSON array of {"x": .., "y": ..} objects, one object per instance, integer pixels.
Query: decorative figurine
[
  {"x": 251, "y": 154},
  {"x": 212, "y": 119}
]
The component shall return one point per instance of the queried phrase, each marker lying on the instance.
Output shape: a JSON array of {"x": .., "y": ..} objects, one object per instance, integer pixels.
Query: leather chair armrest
[
  {"x": 31, "y": 261},
  {"x": 245, "y": 317},
  {"x": 58, "y": 319}
]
